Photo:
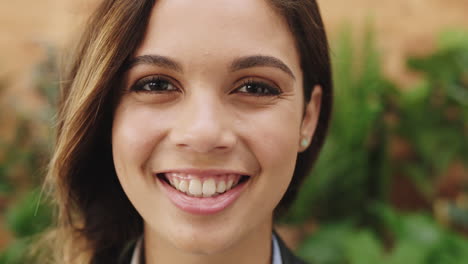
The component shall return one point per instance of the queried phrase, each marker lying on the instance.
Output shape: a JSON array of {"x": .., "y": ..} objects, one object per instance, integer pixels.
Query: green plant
[
  {"x": 418, "y": 239},
  {"x": 434, "y": 114},
  {"x": 354, "y": 160},
  {"x": 348, "y": 191},
  {"x": 22, "y": 164},
  {"x": 25, "y": 219}
]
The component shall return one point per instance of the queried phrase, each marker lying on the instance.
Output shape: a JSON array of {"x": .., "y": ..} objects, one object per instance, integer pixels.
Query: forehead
[{"x": 218, "y": 29}]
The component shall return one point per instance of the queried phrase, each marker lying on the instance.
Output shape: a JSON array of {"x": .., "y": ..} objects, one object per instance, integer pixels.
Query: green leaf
[
  {"x": 363, "y": 248},
  {"x": 16, "y": 253},
  {"x": 327, "y": 245},
  {"x": 29, "y": 216}
]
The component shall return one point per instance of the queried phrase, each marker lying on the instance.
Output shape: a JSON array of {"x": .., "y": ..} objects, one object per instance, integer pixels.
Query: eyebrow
[
  {"x": 238, "y": 64},
  {"x": 156, "y": 60},
  {"x": 260, "y": 61}
]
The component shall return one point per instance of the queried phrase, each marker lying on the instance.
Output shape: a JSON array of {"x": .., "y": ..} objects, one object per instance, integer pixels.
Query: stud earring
[{"x": 304, "y": 142}]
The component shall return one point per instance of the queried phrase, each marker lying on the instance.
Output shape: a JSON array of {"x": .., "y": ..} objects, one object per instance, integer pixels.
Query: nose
[{"x": 203, "y": 126}]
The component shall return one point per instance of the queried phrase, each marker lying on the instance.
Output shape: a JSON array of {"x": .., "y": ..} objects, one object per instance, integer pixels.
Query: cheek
[
  {"x": 274, "y": 138},
  {"x": 133, "y": 138},
  {"x": 278, "y": 148},
  {"x": 275, "y": 133}
]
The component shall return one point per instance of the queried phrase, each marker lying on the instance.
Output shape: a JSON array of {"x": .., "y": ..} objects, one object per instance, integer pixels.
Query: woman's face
[{"x": 212, "y": 104}]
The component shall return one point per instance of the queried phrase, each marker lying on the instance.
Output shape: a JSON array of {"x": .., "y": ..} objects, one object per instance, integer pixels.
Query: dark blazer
[{"x": 286, "y": 254}]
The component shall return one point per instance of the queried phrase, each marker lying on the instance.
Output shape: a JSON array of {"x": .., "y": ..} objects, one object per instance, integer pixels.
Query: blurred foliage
[
  {"x": 349, "y": 189},
  {"x": 418, "y": 239},
  {"x": 353, "y": 163},
  {"x": 25, "y": 219},
  {"x": 434, "y": 115},
  {"x": 28, "y": 216},
  {"x": 22, "y": 167}
]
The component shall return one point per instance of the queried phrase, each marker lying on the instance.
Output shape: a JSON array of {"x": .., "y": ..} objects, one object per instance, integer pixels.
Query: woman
[{"x": 184, "y": 130}]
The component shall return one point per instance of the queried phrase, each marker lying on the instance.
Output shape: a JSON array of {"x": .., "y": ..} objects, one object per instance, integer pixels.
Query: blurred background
[{"x": 391, "y": 185}]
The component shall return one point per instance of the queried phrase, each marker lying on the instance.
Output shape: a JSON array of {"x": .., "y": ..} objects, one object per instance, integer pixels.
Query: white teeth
[
  {"x": 209, "y": 187},
  {"x": 174, "y": 181},
  {"x": 195, "y": 187},
  {"x": 221, "y": 187},
  {"x": 183, "y": 186},
  {"x": 199, "y": 187},
  {"x": 229, "y": 184}
]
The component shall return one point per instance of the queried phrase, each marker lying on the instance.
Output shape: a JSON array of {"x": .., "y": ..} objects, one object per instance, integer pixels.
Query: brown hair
[{"x": 96, "y": 221}]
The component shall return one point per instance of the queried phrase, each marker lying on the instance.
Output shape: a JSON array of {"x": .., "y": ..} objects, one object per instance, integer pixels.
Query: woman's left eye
[
  {"x": 154, "y": 84},
  {"x": 257, "y": 88}
]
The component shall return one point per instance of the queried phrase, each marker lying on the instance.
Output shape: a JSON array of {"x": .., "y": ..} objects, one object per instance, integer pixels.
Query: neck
[{"x": 253, "y": 248}]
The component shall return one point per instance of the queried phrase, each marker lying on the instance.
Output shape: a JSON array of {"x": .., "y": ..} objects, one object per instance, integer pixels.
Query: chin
[{"x": 202, "y": 244}]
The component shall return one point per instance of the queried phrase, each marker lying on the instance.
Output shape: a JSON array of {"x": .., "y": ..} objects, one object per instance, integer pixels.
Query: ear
[{"x": 310, "y": 120}]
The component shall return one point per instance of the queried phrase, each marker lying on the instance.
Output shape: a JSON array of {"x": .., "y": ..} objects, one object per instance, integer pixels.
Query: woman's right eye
[{"x": 154, "y": 84}]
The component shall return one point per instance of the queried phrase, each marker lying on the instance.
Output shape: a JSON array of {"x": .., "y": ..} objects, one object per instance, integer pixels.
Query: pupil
[
  {"x": 254, "y": 89},
  {"x": 158, "y": 85}
]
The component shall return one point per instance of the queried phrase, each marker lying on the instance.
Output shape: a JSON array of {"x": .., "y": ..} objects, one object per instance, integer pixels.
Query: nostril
[
  {"x": 222, "y": 147},
  {"x": 203, "y": 136},
  {"x": 181, "y": 145},
  {"x": 204, "y": 143}
]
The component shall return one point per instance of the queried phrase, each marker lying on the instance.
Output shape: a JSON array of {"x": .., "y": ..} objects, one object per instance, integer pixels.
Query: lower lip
[{"x": 202, "y": 205}]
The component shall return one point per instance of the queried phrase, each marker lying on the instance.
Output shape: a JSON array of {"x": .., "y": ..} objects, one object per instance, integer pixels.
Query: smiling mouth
[{"x": 196, "y": 186}]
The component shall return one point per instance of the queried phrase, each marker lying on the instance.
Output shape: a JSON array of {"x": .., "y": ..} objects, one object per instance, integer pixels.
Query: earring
[{"x": 304, "y": 142}]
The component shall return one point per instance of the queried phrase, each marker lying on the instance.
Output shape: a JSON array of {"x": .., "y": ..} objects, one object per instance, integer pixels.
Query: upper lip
[{"x": 204, "y": 172}]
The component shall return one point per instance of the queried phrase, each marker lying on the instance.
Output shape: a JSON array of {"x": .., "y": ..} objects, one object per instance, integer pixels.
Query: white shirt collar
[
  {"x": 276, "y": 253},
  {"x": 137, "y": 252}
]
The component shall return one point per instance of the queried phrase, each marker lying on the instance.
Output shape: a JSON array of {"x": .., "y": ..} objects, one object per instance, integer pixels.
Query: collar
[
  {"x": 136, "y": 257},
  {"x": 276, "y": 253}
]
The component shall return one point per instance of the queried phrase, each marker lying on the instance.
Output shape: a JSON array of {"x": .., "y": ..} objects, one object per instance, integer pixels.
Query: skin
[{"x": 207, "y": 120}]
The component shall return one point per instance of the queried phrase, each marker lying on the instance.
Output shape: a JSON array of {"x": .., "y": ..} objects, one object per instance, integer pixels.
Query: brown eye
[
  {"x": 258, "y": 88},
  {"x": 154, "y": 84}
]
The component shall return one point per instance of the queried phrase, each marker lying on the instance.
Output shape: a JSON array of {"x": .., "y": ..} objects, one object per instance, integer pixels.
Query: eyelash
[
  {"x": 140, "y": 85},
  {"x": 252, "y": 87},
  {"x": 267, "y": 89}
]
